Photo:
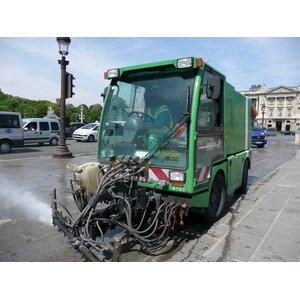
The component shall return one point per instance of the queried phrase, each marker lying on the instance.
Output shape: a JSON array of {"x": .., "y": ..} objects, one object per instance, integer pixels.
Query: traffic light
[{"x": 69, "y": 85}]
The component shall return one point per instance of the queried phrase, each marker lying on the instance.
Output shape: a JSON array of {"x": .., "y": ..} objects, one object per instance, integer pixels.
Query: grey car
[
  {"x": 73, "y": 126},
  {"x": 271, "y": 131}
]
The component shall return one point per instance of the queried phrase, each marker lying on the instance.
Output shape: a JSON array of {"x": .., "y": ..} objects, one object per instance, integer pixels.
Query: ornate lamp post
[
  {"x": 263, "y": 114},
  {"x": 62, "y": 150}
]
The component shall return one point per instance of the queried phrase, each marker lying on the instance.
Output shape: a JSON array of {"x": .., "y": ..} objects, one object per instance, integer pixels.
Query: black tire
[
  {"x": 243, "y": 188},
  {"x": 217, "y": 200},
  {"x": 260, "y": 146},
  {"x": 5, "y": 147},
  {"x": 53, "y": 142},
  {"x": 91, "y": 138}
]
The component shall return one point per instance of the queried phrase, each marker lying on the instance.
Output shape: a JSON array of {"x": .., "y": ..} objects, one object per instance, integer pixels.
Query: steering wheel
[{"x": 141, "y": 115}]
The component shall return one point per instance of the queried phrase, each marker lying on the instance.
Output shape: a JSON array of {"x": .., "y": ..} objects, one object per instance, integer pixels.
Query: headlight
[
  {"x": 113, "y": 73},
  {"x": 177, "y": 176},
  {"x": 185, "y": 63}
]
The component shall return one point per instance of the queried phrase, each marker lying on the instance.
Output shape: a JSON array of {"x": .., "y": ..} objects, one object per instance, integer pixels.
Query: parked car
[
  {"x": 289, "y": 132},
  {"x": 73, "y": 126},
  {"x": 259, "y": 137},
  {"x": 88, "y": 132},
  {"x": 11, "y": 131},
  {"x": 41, "y": 130},
  {"x": 271, "y": 131}
]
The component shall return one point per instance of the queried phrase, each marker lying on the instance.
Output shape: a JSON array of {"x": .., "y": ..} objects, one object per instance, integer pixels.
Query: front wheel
[
  {"x": 5, "y": 147},
  {"x": 217, "y": 200},
  {"x": 91, "y": 138}
]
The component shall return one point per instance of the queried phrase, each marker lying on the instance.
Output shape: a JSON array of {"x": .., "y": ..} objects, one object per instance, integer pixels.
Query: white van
[
  {"x": 40, "y": 130},
  {"x": 11, "y": 131}
]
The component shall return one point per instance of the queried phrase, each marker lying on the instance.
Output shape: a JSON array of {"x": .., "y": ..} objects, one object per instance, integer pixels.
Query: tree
[{"x": 38, "y": 108}]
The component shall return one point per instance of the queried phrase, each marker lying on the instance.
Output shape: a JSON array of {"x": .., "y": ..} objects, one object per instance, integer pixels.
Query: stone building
[{"x": 276, "y": 107}]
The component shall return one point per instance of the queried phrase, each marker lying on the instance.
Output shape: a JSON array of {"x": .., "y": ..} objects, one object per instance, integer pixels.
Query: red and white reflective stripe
[
  {"x": 203, "y": 173},
  {"x": 159, "y": 174}
]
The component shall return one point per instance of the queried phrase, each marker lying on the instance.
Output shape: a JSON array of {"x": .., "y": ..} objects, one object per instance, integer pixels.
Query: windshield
[
  {"x": 256, "y": 126},
  {"x": 140, "y": 117},
  {"x": 89, "y": 126}
]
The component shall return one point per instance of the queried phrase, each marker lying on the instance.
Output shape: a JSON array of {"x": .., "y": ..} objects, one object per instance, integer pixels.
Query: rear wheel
[
  {"x": 53, "y": 142},
  {"x": 217, "y": 200}
]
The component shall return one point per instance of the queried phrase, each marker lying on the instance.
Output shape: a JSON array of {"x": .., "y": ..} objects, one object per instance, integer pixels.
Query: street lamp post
[
  {"x": 263, "y": 114},
  {"x": 62, "y": 150}
]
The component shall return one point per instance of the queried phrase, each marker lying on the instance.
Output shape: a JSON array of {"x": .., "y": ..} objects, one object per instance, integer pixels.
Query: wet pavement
[
  {"x": 262, "y": 226},
  {"x": 26, "y": 230}
]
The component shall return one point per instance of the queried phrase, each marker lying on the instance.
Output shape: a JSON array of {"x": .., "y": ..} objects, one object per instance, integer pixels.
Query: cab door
[
  {"x": 31, "y": 132},
  {"x": 210, "y": 142}
]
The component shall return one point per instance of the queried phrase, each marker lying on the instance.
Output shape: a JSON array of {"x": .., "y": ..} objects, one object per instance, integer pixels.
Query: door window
[
  {"x": 54, "y": 126},
  {"x": 44, "y": 126},
  {"x": 32, "y": 126}
]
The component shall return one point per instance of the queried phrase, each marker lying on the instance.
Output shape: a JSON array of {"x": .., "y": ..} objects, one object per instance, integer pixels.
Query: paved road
[
  {"x": 251, "y": 230},
  {"x": 35, "y": 150}
]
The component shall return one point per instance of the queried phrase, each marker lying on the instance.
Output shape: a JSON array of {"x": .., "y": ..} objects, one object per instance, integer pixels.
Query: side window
[
  {"x": 32, "y": 126},
  {"x": 54, "y": 126},
  {"x": 44, "y": 126},
  {"x": 209, "y": 114},
  {"x": 15, "y": 122},
  {"x": 9, "y": 121}
]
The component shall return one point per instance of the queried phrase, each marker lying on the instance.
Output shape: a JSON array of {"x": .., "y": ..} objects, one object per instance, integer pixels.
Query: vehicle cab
[{"x": 11, "y": 131}]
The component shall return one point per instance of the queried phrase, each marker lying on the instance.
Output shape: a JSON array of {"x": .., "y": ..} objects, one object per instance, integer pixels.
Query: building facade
[{"x": 276, "y": 107}]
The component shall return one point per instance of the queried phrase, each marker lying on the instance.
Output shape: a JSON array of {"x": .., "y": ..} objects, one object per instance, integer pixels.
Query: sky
[
  {"x": 253, "y": 44},
  {"x": 29, "y": 65}
]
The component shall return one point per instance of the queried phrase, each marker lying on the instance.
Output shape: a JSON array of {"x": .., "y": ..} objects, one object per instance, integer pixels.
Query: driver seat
[{"x": 133, "y": 128}]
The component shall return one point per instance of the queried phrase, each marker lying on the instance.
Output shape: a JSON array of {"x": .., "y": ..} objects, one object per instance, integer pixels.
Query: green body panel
[
  {"x": 237, "y": 121},
  {"x": 235, "y": 139}
]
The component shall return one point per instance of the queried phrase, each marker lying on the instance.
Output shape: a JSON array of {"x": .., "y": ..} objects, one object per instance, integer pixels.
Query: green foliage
[{"x": 38, "y": 109}]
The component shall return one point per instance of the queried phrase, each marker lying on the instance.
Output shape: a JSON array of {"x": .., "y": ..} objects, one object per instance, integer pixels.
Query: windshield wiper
[
  {"x": 174, "y": 130},
  {"x": 171, "y": 133}
]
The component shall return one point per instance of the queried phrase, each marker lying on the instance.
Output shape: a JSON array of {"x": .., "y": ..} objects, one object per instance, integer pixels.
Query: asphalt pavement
[{"x": 261, "y": 226}]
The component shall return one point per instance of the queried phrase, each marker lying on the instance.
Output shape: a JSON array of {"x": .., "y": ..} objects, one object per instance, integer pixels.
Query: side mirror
[
  {"x": 104, "y": 92},
  {"x": 213, "y": 87}
]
